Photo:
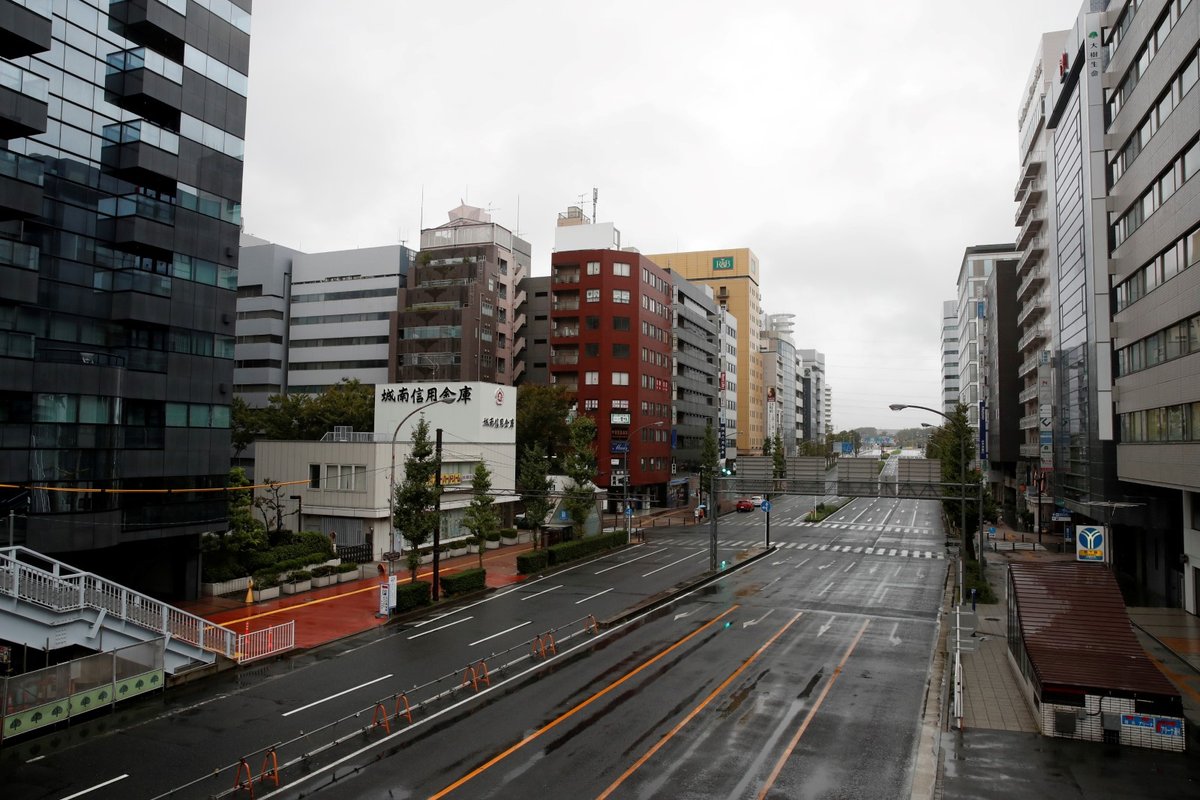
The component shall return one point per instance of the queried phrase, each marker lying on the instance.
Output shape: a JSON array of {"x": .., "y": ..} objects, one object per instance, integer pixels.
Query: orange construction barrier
[
  {"x": 273, "y": 772},
  {"x": 469, "y": 677},
  {"x": 249, "y": 784},
  {"x": 380, "y": 717},
  {"x": 484, "y": 671},
  {"x": 402, "y": 697},
  {"x": 592, "y": 625}
]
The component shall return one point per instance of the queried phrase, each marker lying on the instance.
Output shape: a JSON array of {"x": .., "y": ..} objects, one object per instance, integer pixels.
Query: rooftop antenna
[{"x": 595, "y": 197}]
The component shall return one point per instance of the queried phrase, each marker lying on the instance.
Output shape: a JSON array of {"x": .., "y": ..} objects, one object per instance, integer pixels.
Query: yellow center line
[
  {"x": 567, "y": 715},
  {"x": 733, "y": 676},
  {"x": 284, "y": 609},
  {"x": 812, "y": 712}
]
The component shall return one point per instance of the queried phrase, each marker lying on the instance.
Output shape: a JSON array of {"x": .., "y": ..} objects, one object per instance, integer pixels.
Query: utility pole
[
  {"x": 437, "y": 507},
  {"x": 714, "y": 507}
]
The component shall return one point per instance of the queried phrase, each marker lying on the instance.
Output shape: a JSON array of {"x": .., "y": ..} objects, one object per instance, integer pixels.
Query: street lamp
[
  {"x": 962, "y": 476},
  {"x": 628, "y": 447},
  {"x": 392, "y": 476}
]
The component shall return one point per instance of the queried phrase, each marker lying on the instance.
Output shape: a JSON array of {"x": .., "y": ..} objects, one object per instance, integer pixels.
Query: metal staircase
[{"x": 47, "y": 603}]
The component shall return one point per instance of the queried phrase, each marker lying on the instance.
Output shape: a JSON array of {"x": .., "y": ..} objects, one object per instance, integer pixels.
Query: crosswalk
[
  {"x": 837, "y": 526},
  {"x": 891, "y": 552}
]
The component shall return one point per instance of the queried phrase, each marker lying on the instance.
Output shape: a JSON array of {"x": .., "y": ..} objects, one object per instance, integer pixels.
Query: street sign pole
[{"x": 766, "y": 507}]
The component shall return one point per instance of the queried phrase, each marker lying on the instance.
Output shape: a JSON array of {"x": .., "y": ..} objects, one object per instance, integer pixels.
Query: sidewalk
[{"x": 333, "y": 612}]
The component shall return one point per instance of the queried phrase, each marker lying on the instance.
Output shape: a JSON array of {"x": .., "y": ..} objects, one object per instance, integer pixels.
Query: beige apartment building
[{"x": 733, "y": 275}]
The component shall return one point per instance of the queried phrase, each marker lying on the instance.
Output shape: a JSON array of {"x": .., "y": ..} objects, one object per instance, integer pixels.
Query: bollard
[
  {"x": 273, "y": 773},
  {"x": 483, "y": 670},
  {"x": 469, "y": 678},
  {"x": 380, "y": 718},
  {"x": 407, "y": 708},
  {"x": 249, "y": 784}
]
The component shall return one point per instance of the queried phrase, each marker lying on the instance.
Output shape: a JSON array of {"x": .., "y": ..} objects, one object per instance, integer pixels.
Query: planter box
[
  {"x": 266, "y": 594},
  {"x": 472, "y": 548},
  {"x": 427, "y": 559},
  {"x": 323, "y": 580},
  {"x": 490, "y": 545},
  {"x": 524, "y": 537},
  {"x": 458, "y": 551},
  {"x": 296, "y": 587},
  {"x": 509, "y": 541},
  {"x": 348, "y": 577},
  {"x": 225, "y": 587}
]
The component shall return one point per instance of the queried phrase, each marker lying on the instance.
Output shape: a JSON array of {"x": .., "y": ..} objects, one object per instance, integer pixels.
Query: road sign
[
  {"x": 992, "y": 532},
  {"x": 629, "y": 511},
  {"x": 766, "y": 506}
]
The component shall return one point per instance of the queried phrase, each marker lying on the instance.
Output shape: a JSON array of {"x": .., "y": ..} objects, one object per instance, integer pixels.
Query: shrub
[
  {"x": 412, "y": 595},
  {"x": 349, "y": 567},
  {"x": 298, "y": 575},
  {"x": 532, "y": 561},
  {"x": 582, "y": 548},
  {"x": 266, "y": 579},
  {"x": 508, "y": 533},
  {"x": 323, "y": 571},
  {"x": 219, "y": 573},
  {"x": 471, "y": 580},
  {"x": 494, "y": 536}
]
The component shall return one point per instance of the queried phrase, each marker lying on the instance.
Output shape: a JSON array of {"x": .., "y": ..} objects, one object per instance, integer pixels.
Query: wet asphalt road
[{"x": 802, "y": 675}]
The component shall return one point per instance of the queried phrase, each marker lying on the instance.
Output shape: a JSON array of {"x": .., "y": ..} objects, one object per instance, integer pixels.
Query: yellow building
[{"x": 733, "y": 275}]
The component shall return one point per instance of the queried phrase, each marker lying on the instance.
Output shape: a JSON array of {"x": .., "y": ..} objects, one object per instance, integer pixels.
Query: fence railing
[{"x": 62, "y": 588}]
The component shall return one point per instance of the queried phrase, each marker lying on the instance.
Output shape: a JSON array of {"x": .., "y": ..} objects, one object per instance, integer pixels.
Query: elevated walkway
[{"x": 46, "y": 603}]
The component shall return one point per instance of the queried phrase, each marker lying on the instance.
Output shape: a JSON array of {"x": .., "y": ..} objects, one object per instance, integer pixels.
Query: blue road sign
[
  {"x": 766, "y": 506},
  {"x": 629, "y": 511}
]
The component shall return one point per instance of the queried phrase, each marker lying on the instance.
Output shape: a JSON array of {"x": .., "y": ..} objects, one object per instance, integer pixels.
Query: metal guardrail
[{"x": 62, "y": 588}]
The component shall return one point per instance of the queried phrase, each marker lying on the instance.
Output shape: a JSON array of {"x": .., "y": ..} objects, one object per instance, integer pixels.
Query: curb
[
  {"x": 1164, "y": 646},
  {"x": 668, "y": 596}
]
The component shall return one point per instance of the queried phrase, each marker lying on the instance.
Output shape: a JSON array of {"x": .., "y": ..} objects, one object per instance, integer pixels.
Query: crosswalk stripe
[
  {"x": 892, "y": 552},
  {"x": 904, "y": 554}
]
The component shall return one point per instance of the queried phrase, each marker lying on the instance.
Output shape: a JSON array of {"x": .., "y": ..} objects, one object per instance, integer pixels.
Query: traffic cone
[{"x": 250, "y": 591}]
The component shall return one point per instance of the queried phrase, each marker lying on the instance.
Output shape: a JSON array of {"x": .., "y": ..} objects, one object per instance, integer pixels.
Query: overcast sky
[{"x": 857, "y": 148}]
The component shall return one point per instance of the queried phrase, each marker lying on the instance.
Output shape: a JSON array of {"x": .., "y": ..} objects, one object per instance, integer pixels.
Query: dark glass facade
[{"x": 121, "y": 158}]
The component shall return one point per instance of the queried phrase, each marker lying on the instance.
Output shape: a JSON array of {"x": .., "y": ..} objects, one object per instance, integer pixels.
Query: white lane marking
[
  {"x": 542, "y": 592},
  {"x": 97, "y": 786},
  {"x": 593, "y": 597},
  {"x": 750, "y": 622},
  {"x": 802, "y": 563},
  {"x": 826, "y": 591},
  {"x": 35, "y": 758},
  {"x": 501, "y": 633},
  {"x": 847, "y": 569},
  {"x": 630, "y": 561},
  {"x": 442, "y": 628},
  {"x": 673, "y": 563},
  {"x": 332, "y": 696}
]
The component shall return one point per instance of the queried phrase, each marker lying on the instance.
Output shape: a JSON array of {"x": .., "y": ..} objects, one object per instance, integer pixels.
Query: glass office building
[{"x": 121, "y": 129}]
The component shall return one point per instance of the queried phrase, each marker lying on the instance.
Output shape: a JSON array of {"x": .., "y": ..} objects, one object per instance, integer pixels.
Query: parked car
[
  {"x": 745, "y": 505},
  {"x": 756, "y": 500}
]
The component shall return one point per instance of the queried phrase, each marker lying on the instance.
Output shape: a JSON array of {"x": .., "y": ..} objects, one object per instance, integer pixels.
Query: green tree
[
  {"x": 534, "y": 485},
  {"x": 766, "y": 448},
  {"x": 953, "y": 444},
  {"x": 779, "y": 458},
  {"x": 271, "y": 502},
  {"x": 416, "y": 495},
  {"x": 309, "y": 417},
  {"x": 243, "y": 425},
  {"x": 542, "y": 420},
  {"x": 579, "y": 465},
  {"x": 481, "y": 518},
  {"x": 710, "y": 461}
]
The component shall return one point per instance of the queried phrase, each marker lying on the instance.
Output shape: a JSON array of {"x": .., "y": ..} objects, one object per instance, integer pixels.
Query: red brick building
[{"x": 610, "y": 343}]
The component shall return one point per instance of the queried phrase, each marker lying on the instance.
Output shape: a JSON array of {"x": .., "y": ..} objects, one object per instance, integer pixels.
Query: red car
[{"x": 745, "y": 505}]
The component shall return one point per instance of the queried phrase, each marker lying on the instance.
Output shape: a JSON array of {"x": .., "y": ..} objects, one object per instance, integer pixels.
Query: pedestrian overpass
[{"x": 914, "y": 479}]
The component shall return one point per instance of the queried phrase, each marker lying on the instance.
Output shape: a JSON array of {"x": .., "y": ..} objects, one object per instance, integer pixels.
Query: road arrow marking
[
  {"x": 826, "y": 566},
  {"x": 893, "y": 639},
  {"x": 750, "y": 622},
  {"x": 683, "y": 614},
  {"x": 825, "y": 627}
]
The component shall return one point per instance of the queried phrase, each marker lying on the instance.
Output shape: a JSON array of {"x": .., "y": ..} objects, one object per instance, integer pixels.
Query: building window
[
  {"x": 591, "y": 378},
  {"x": 591, "y": 405},
  {"x": 592, "y": 296},
  {"x": 621, "y": 296},
  {"x": 620, "y": 270},
  {"x": 593, "y": 268},
  {"x": 620, "y": 323},
  {"x": 592, "y": 323},
  {"x": 620, "y": 379},
  {"x": 620, "y": 351},
  {"x": 314, "y": 476},
  {"x": 620, "y": 405},
  {"x": 342, "y": 477},
  {"x": 591, "y": 349}
]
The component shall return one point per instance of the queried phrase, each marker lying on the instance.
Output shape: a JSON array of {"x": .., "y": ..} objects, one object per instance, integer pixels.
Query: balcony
[
  {"x": 1037, "y": 333},
  {"x": 1031, "y": 282},
  {"x": 139, "y": 224},
  {"x": 1032, "y": 311},
  {"x": 16, "y": 345},
  {"x": 1029, "y": 365},
  {"x": 1031, "y": 227},
  {"x": 1030, "y": 450},
  {"x": 1034, "y": 191},
  {"x": 1032, "y": 253},
  {"x": 158, "y": 24},
  {"x": 566, "y": 276},
  {"x": 145, "y": 83},
  {"x": 23, "y": 102},
  {"x": 1028, "y": 393},
  {"x": 21, "y": 180},
  {"x": 1028, "y": 422},
  {"x": 1030, "y": 169},
  {"x": 565, "y": 357},
  {"x": 141, "y": 153},
  {"x": 24, "y": 27},
  {"x": 566, "y": 304},
  {"x": 19, "y": 255},
  {"x": 563, "y": 331}
]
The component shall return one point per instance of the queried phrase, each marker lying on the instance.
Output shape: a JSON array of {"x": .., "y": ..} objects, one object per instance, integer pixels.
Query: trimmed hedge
[
  {"x": 266, "y": 579},
  {"x": 347, "y": 567},
  {"x": 412, "y": 595},
  {"x": 471, "y": 580},
  {"x": 532, "y": 561},
  {"x": 582, "y": 548}
]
